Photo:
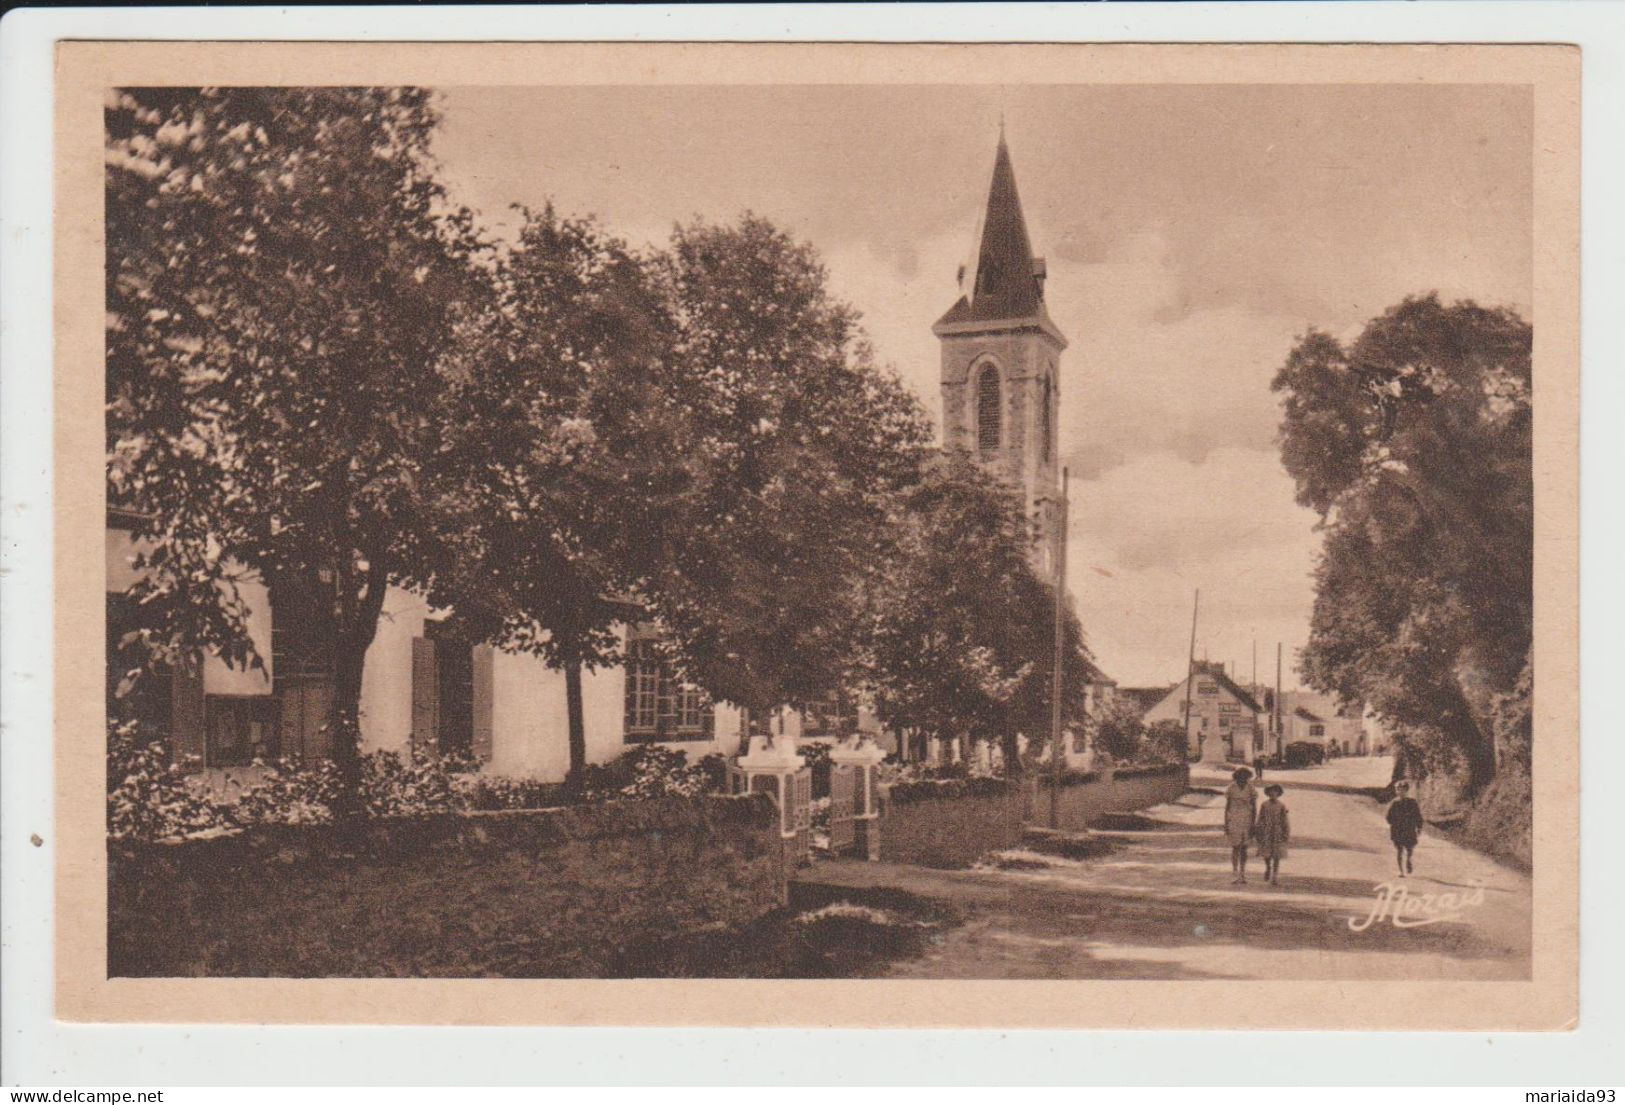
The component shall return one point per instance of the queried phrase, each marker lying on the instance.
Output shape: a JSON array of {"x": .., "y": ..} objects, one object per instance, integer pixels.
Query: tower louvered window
[
  {"x": 1046, "y": 413},
  {"x": 988, "y": 411}
]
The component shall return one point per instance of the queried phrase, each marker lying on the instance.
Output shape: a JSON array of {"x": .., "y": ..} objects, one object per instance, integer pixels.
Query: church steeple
[
  {"x": 1008, "y": 281},
  {"x": 1001, "y": 357}
]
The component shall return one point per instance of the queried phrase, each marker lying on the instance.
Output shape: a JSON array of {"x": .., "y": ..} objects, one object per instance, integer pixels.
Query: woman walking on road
[
  {"x": 1404, "y": 825},
  {"x": 1240, "y": 812},
  {"x": 1273, "y": 831}
]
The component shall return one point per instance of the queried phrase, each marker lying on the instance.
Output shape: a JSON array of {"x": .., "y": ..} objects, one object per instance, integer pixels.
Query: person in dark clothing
[{"x": 1404, "y": 825}]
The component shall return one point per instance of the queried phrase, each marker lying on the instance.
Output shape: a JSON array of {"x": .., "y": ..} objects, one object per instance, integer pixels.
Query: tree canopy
[
  {"x": 321, "y": 374},
  {"x": 284, "y": 277},
  {"x": 798, "y": 444},
  {"x": 962, "y": 642},
  {"x": 1413, "y": 443}
]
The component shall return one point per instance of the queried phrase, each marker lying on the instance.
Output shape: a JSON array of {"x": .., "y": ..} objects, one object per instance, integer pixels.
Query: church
[{"x": 425, "y": 689}]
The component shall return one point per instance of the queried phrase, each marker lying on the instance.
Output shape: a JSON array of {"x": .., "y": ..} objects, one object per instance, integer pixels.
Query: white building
[{"x": 1226, "y": 724}]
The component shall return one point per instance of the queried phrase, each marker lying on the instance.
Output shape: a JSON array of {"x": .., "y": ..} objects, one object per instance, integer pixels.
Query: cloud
[
  {"x": 1144, "y": 537},
  {"x": 901, "y": 293},
  {"x": 1142, "y": 376}
]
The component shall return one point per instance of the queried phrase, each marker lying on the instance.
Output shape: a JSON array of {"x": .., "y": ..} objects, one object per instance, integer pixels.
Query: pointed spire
[{"x": 1007, "y": 281}]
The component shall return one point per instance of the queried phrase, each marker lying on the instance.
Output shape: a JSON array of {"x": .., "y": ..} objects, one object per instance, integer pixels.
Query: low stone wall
[
  {"x": 953, "y": 829},
  {"x": 952, "y": 824},
  {"x": 1121, "y": 792},
  {"x": 534, "y": 893}
]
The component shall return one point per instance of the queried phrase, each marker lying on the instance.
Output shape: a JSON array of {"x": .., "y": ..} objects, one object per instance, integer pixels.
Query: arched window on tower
[
  {"x": 988, "y": 410},
  {"x": 1046, "y": 414}
]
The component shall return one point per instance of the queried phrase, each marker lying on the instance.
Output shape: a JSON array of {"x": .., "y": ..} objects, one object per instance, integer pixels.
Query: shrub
[
  {"x": 500, "y": 792},
  {"x": 652, "y": 771},
  {"x": 150, "y": 798},
  {"x": 292, "y": 793},
  {"x": 421, "y": 784},
  {"x": 925, "y": 790},
  {"x": 1118, "y": 730},
  {"x": 1164, "y": 742}
]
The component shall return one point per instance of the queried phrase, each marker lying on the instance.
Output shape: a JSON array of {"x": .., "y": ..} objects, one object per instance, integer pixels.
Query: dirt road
[{"x": 1159, "y": 902}]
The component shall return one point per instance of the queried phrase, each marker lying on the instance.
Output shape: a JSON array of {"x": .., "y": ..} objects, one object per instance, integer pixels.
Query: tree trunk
[
  {"x": 354, "y": 638},
  {"x": 1010, "y": 743},
  {"x": 577, "y": 725},
  {"x": 1458, "y": 723},
  {"x": 346, "y": 729}
]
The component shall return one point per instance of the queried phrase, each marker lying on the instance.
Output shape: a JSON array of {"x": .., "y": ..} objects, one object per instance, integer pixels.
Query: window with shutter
[
  {"x": 484, "y": 670},
  {"x": 454, "y": 674},
  {"x": 425, "y": 695},
  {"x": 241, "y": 729},
  {"x": 988, "y": 410}
]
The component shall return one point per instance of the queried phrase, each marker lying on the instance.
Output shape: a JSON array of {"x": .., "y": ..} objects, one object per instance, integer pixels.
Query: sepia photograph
[{"x": 823, "y": 527}]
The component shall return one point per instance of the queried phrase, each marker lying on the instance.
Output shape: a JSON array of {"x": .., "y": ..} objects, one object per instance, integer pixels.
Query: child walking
[
  {"x": 1240, "y": 812},
  {"x": 1404, "y": 825},
  {"x": 1273, "y": 831}
]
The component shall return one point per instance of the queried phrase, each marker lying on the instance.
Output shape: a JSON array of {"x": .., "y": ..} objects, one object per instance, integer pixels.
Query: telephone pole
[
  {"x": 1278, "y": 738},
  {"x": 1056, "y": 754},
  {"x": 1190, "y": 668}
]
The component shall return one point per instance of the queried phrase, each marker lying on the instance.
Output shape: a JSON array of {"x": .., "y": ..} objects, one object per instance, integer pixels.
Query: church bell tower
[{"x": 1001, "y": 357}]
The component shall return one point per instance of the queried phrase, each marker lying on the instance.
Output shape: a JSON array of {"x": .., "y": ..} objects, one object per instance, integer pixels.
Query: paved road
[{"x": 1159, "y": 903}]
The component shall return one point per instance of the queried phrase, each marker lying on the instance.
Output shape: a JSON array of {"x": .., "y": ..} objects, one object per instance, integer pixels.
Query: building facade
[{"x": 1226, "y": 723}]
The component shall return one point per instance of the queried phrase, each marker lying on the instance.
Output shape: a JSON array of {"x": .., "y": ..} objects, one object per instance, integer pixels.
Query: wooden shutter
[
  {"x": 630, "y": 713},
  {"x": 484, "y": 661},
  {"x": 187, "y": 716},
  {"x": 425, "y": 696}
]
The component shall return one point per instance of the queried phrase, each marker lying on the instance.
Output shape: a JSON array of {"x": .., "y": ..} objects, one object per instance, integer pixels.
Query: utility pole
[
  {"x": 1278, "y": 737},
  {"x": 1056, "y": 754},
  {"x": 1190, "y": 669}
]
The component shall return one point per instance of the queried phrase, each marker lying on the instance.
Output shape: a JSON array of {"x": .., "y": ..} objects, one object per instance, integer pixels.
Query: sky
[{"x": 1192, "y": 233}]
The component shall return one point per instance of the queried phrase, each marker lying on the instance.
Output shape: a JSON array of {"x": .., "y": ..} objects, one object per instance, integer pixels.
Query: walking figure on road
[
  {"x": 1273, "y": 830},
  {"x": 1404, "y": 825},
  {"x": 1240, "y": 812}
]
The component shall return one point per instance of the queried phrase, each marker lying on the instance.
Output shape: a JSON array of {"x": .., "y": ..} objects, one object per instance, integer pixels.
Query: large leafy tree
[
  {"x": 284, "y": 279},
  {"x": 796, "y": 447},
  {"x": 962, "y": 638},
  {"x": 575, "y": 454},
  {"x": 1413, "y": 445}
]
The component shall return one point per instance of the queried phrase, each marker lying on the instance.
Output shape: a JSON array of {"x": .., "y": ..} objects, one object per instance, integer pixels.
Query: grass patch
[{"x": 825, "y": 932}]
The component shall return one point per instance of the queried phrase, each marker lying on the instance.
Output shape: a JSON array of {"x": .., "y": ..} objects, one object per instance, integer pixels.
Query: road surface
[{"x": 1159, "y": 901}]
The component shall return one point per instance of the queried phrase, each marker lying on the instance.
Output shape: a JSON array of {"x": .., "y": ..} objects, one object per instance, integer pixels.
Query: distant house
[
  {"x": 1142, "y": 699},
  {"x": 1312, "y": 718},
  {"x": 1227, "y": 724}
]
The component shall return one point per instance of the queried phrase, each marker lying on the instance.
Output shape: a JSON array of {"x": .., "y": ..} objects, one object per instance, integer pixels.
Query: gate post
[
  {"x": 774, "y": 766},
  {"x": 863, "y": 756}
]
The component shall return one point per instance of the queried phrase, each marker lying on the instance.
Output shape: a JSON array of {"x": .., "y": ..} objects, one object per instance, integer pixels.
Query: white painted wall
[
  {"x": 120, "y": 553},
  {"x": 530, "y": 730}
]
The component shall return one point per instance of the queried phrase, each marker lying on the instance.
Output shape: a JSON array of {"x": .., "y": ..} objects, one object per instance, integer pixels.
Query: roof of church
[{"x": 1008, "y": 281}]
